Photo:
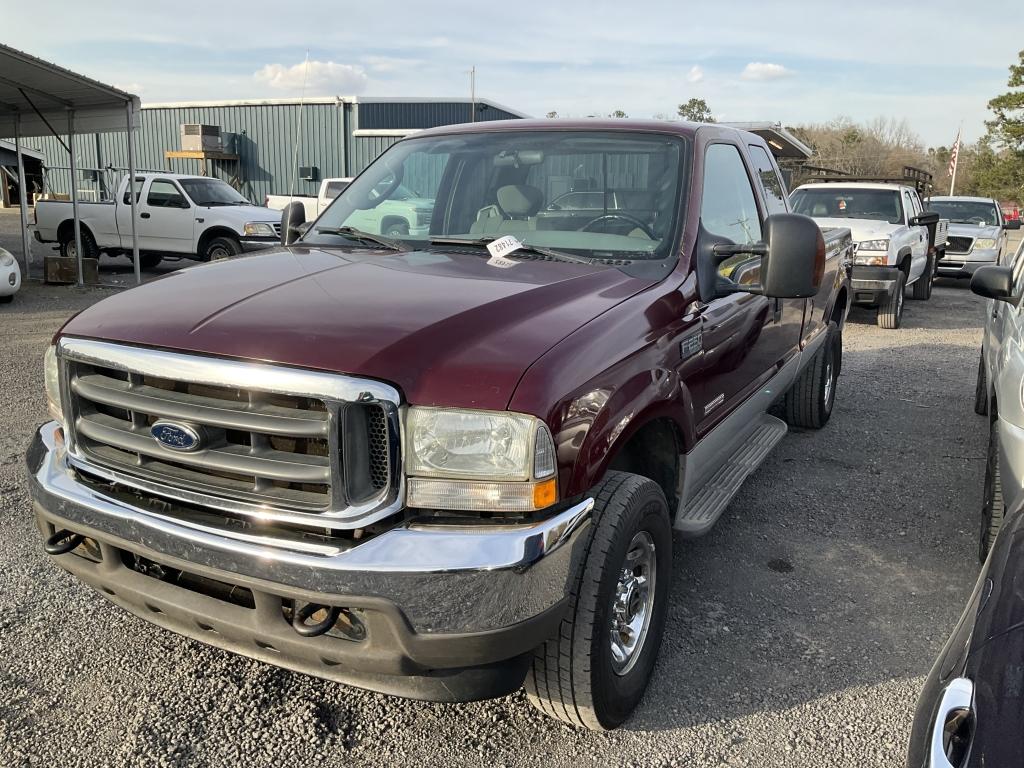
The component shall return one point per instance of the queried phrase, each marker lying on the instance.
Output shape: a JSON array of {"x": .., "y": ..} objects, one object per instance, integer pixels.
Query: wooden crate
[{"x": 64, "y": 271}]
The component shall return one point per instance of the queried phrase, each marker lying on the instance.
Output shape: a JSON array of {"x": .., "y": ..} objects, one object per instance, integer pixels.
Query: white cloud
[
  {"x": 133, "y": 87},
  {"x": 759, "y": 70},
  {"x": 695, "y": 75},
  {"x": 322, "y": 77}
]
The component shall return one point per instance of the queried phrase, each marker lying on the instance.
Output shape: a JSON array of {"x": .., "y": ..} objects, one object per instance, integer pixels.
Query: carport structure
[{"x": 38, "y": 98}]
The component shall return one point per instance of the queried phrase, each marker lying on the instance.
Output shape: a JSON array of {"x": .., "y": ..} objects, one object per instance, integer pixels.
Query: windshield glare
[
  {"x": 839, "y": 203},
  {"x": 522, "y": 183},
  {"x": 211, "y": 192},
  {"x": 967, "y": 212}
]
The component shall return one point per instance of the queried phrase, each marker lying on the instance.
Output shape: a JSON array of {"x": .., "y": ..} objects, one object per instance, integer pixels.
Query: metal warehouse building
[{"x": 265, "y": 146}]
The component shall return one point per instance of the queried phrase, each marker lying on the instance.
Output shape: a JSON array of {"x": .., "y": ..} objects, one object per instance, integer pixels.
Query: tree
[
  {"x": 696, "y": 111},
  {"x": 618, "y": 113},
  {"x": 999, "y": 170},
  {"x": 1007, "y": 127},
  {"x": 552, "y": 114}
]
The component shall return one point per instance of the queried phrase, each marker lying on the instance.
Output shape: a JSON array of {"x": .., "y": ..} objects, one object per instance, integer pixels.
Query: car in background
[
  {"x": 10, "y": 276},
  {"x": 970, "y": 711},
  {"x": 314, "y": 204},
  {"x": 998, "y": 390},
  {"x": 977, "y": 233}
]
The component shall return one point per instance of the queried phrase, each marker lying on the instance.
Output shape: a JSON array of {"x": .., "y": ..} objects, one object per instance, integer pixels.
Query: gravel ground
[{"x": 799, "y": 633}]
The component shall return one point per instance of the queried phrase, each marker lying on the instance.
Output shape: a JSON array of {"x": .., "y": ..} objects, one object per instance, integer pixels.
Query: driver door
[{"x": 165, "y": 218}]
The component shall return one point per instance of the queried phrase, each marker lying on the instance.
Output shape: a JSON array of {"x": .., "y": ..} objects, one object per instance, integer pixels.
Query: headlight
[
  {"x": 6, "y": 259},
  {"x": 478, "y": 460},
  {"x": 259, "y": 229},
  {"x": 874, "y": 245},
  {"x": 984, "y": 243},
  {"x": 870, "y": 260},
  {"x": 51, "y": 380}
]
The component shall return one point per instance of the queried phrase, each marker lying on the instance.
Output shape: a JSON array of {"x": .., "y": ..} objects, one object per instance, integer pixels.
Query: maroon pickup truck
[{"x": 449, "y": 463}]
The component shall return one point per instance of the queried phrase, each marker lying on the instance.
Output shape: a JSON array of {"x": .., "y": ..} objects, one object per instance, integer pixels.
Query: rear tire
[
  {"x": 922, "y": 289},
  {"x": 582, "y": 676},
  {"x": 222, "y": 248},
  {"x": 890, "y": 311},
  {"x": 89, "y": 249},
  {"x": 981, "y": 389},
  {"x": 992, "y": 508},
  {"x": 809, "y": 401}
]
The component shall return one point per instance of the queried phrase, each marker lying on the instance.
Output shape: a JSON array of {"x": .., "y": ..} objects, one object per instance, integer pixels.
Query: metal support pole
[
  {"x": 22, "y": 194},
  {"x": 74, "y": 196},
  {"x": 131, "y": 193}
]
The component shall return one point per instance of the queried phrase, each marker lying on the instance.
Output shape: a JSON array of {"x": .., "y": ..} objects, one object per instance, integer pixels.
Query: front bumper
[
  {"x": 450, "y": 613},
  {"x": 873, "y": 285},
  {"x": 258, "y": 243},
  {"x": 965, "y": 265}
]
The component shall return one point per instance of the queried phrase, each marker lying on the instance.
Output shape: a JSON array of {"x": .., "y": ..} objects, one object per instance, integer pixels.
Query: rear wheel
[
  {"x": 981, "y": 389},
  {"x": 222, "y": 248},
  {"x": 922, "y": 289},
  {"x": 992, "y": 508},
  {"x": 890, "y": 311},
  {"x": 594, "y": 672},
  {"x": 69, "y": 250},
  {"x": 809, "y": 401}
]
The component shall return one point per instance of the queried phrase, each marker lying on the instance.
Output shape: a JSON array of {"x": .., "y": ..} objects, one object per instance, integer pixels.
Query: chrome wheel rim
[
  {"x": 829, "y": 382},
  {"x": 216, "y": 254},
  {"x": 70, "y": 249},
  {"x": 633, "y": 603}
]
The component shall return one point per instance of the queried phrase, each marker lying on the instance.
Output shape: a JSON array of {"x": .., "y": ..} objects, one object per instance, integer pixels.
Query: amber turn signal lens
[{"x": 545, "y": 494}]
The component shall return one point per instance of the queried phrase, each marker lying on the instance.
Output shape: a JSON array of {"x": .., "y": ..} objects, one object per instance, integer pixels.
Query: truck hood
[
  {"x": 861, "y": 229},
  {"x": 445, "y": 328},
  {"x": 243, "y": 213},
  {"x": 973, "y": 230}
]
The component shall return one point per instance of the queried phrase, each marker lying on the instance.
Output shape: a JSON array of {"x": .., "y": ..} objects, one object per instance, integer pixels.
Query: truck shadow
[
  {"x": 959, "y": 310},
  {"x": 846, "y": 558}
]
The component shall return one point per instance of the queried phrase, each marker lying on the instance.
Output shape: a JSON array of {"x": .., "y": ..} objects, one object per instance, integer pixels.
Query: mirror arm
[{"x": 729, "y": 249}]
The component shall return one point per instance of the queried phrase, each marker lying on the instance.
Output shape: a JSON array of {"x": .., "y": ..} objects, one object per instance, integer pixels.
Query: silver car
[
  {"x": 977, "y": 233},
  {"x": 999, "y": 392}
]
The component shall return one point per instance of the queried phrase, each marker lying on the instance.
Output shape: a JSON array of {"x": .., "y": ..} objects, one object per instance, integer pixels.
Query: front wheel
[
  {"x": 594, "y": 672},
  {"x": 981, "y": 389},
  {"x": 890, "y": 311},
  {"x": 809, "y": 401},
  {"x": 992, "y": 507},
  {"x": 922, "y": 289},
  {"x": 396, "y": 229},
  {"x": 222, "y": 248}
]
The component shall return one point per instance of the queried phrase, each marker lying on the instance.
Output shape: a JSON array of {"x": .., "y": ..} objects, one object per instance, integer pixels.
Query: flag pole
[{"x": 956, "y": 159}]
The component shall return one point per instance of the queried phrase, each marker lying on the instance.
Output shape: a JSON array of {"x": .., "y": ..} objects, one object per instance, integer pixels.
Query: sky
[{"x": 935, "y": 65}]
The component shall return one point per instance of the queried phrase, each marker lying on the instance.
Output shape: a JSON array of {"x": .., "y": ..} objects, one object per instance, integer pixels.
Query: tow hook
[
  {"x": 62, "y": 542},
  {"x": 301, "y": 615}
]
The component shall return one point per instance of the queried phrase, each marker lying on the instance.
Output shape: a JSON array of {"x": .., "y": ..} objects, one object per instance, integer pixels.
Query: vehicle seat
[
  {"x": 819, "y": 209},
  {"x": 516, "y": 211}
]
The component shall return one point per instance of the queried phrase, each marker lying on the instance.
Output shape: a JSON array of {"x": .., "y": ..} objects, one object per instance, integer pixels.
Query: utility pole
[{"x": 472, "y": 94}]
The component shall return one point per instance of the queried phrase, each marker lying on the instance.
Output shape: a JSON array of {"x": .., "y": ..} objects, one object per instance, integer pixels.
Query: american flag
[{"x": 954, "y": 155}]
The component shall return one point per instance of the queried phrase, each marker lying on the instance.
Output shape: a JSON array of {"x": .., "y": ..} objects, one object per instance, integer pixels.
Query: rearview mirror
[
  {"x": 993, "y": 282},
  {"x": 924, "y": 219},
  {"x": 1012, "y": 224},
  {"x": 292, "y": 218},
  {"x": 795, "y": 262}
]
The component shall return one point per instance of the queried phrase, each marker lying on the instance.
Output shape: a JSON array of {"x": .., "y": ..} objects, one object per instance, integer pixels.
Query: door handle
[{"x": 143, "y": 215}]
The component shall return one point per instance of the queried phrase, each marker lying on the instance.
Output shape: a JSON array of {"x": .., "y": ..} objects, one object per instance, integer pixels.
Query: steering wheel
[{"x": 621, "y": 217}]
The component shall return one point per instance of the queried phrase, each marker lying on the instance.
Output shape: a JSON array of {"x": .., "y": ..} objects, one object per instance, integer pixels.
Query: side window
[
  {"x": 910, "y": 204},
  {"x": 164, "y": 194},
  {"x": 727, "y": 206},
  {"x": 772, "y": 186},
  {"x": 137, "y": 186}
]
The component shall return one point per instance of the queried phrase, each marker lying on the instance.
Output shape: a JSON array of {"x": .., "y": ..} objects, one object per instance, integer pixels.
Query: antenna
[
  {"x": 294, "y": 171},
  {"x": 472, "y": 94}
]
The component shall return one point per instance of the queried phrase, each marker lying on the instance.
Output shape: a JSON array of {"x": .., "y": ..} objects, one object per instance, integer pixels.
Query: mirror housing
[
  {"x": 924, "y": 219},
  {"x": 993, "y": 282},
  {"x": 1011, "y": 224},
  {"x": 292, "y": 218},
  {"x": 795, "y": 262}
]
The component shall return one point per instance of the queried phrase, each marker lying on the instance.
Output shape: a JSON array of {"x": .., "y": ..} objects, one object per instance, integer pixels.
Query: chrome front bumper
[{"x": 442, "y": 578}]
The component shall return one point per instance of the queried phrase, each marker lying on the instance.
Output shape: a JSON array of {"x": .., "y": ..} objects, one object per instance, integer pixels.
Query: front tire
[
  {"x": 922, "y": 289},
  {"x": 890, "y": 311},
  {"x": 396, "y": 229},
  {"x": 222, "y": 248},
  {"x": 593, "y": 674},
  {"x": 809, "y": 401},
  {"x": 992, "y": 507},
  {"x": 981, "y": 389}
]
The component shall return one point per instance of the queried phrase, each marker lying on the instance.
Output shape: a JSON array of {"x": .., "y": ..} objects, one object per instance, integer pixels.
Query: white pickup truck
[
  {"x": 403, "y": 213},
  {"x": 329, "y": 189},
  {"x": 182, "y": 216},
  {"x": 897, "y": 242}
]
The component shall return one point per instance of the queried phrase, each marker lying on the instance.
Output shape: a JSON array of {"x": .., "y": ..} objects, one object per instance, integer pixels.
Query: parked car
[
  {"x": 183, "y": 216},
  {"x": 10, "y": 276},
  {"x": 448, "y": 465},
  {"x": 897, "y": 242},
  {"x": 977, "y": 233},
  {"x": 998, "y": 390},
  {"x": 314, "y": 204},
  {"x": 970, "y": 711}
]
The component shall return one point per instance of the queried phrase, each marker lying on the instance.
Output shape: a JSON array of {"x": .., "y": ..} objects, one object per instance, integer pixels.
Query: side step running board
[{"x": 708, "y": 503}]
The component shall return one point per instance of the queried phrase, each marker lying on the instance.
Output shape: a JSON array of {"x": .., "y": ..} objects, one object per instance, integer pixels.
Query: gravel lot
[{"x": 799, "y": 632}]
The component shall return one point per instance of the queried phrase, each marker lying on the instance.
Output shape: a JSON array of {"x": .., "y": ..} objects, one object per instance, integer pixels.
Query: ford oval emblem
[{"x": 177, "y": 437}]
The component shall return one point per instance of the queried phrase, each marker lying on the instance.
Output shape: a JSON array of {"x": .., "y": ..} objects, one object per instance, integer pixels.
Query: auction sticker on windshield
[{"x": 498, "y": 248}]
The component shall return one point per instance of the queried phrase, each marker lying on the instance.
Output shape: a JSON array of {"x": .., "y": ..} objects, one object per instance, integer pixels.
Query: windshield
[
  {"x": 846, "y": 203},
  {"x": 492, "y": 184},
  {"x": 211, "y": 192},
  {"x": 967, "y": 212}
]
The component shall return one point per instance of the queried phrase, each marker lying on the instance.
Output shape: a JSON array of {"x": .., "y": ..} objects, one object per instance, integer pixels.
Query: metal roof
[
  {"x": 40, "y": 92},
  {"x": 9, "y": 146},
  {"x": 332, "y": 100},
  {"x": 782, "y": 142}
]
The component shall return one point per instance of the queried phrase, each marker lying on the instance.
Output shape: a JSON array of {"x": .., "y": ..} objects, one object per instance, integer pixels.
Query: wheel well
[
  {"x": 67, "y": 229},
  {"x": 387, "y": 220},
  {"x": 653, "y": 452},
  {"x": 211, "y": 233},
  {"x": 839, "y": 308},
  {"x": 905, "y": 262}
]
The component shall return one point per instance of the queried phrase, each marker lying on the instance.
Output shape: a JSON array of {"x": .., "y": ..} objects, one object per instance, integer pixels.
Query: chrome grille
[
  {"x": 326, "y": 454},
  {"x": 277, "y": 228},
  {"x": 959, "y": 244}
]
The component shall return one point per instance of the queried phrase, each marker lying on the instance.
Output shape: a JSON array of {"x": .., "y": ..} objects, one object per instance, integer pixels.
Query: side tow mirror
[
  {"x": 1012, "y": 224},
  {"x": 993, "y": 282},
  {"x": 795, "y": 263},
  {"x": 292, "y": 218}
]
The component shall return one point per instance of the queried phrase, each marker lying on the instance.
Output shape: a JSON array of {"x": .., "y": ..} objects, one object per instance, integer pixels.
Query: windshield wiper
[
  {"x": 524, "y": 248},
  {"x": 362, "y": 237}
]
